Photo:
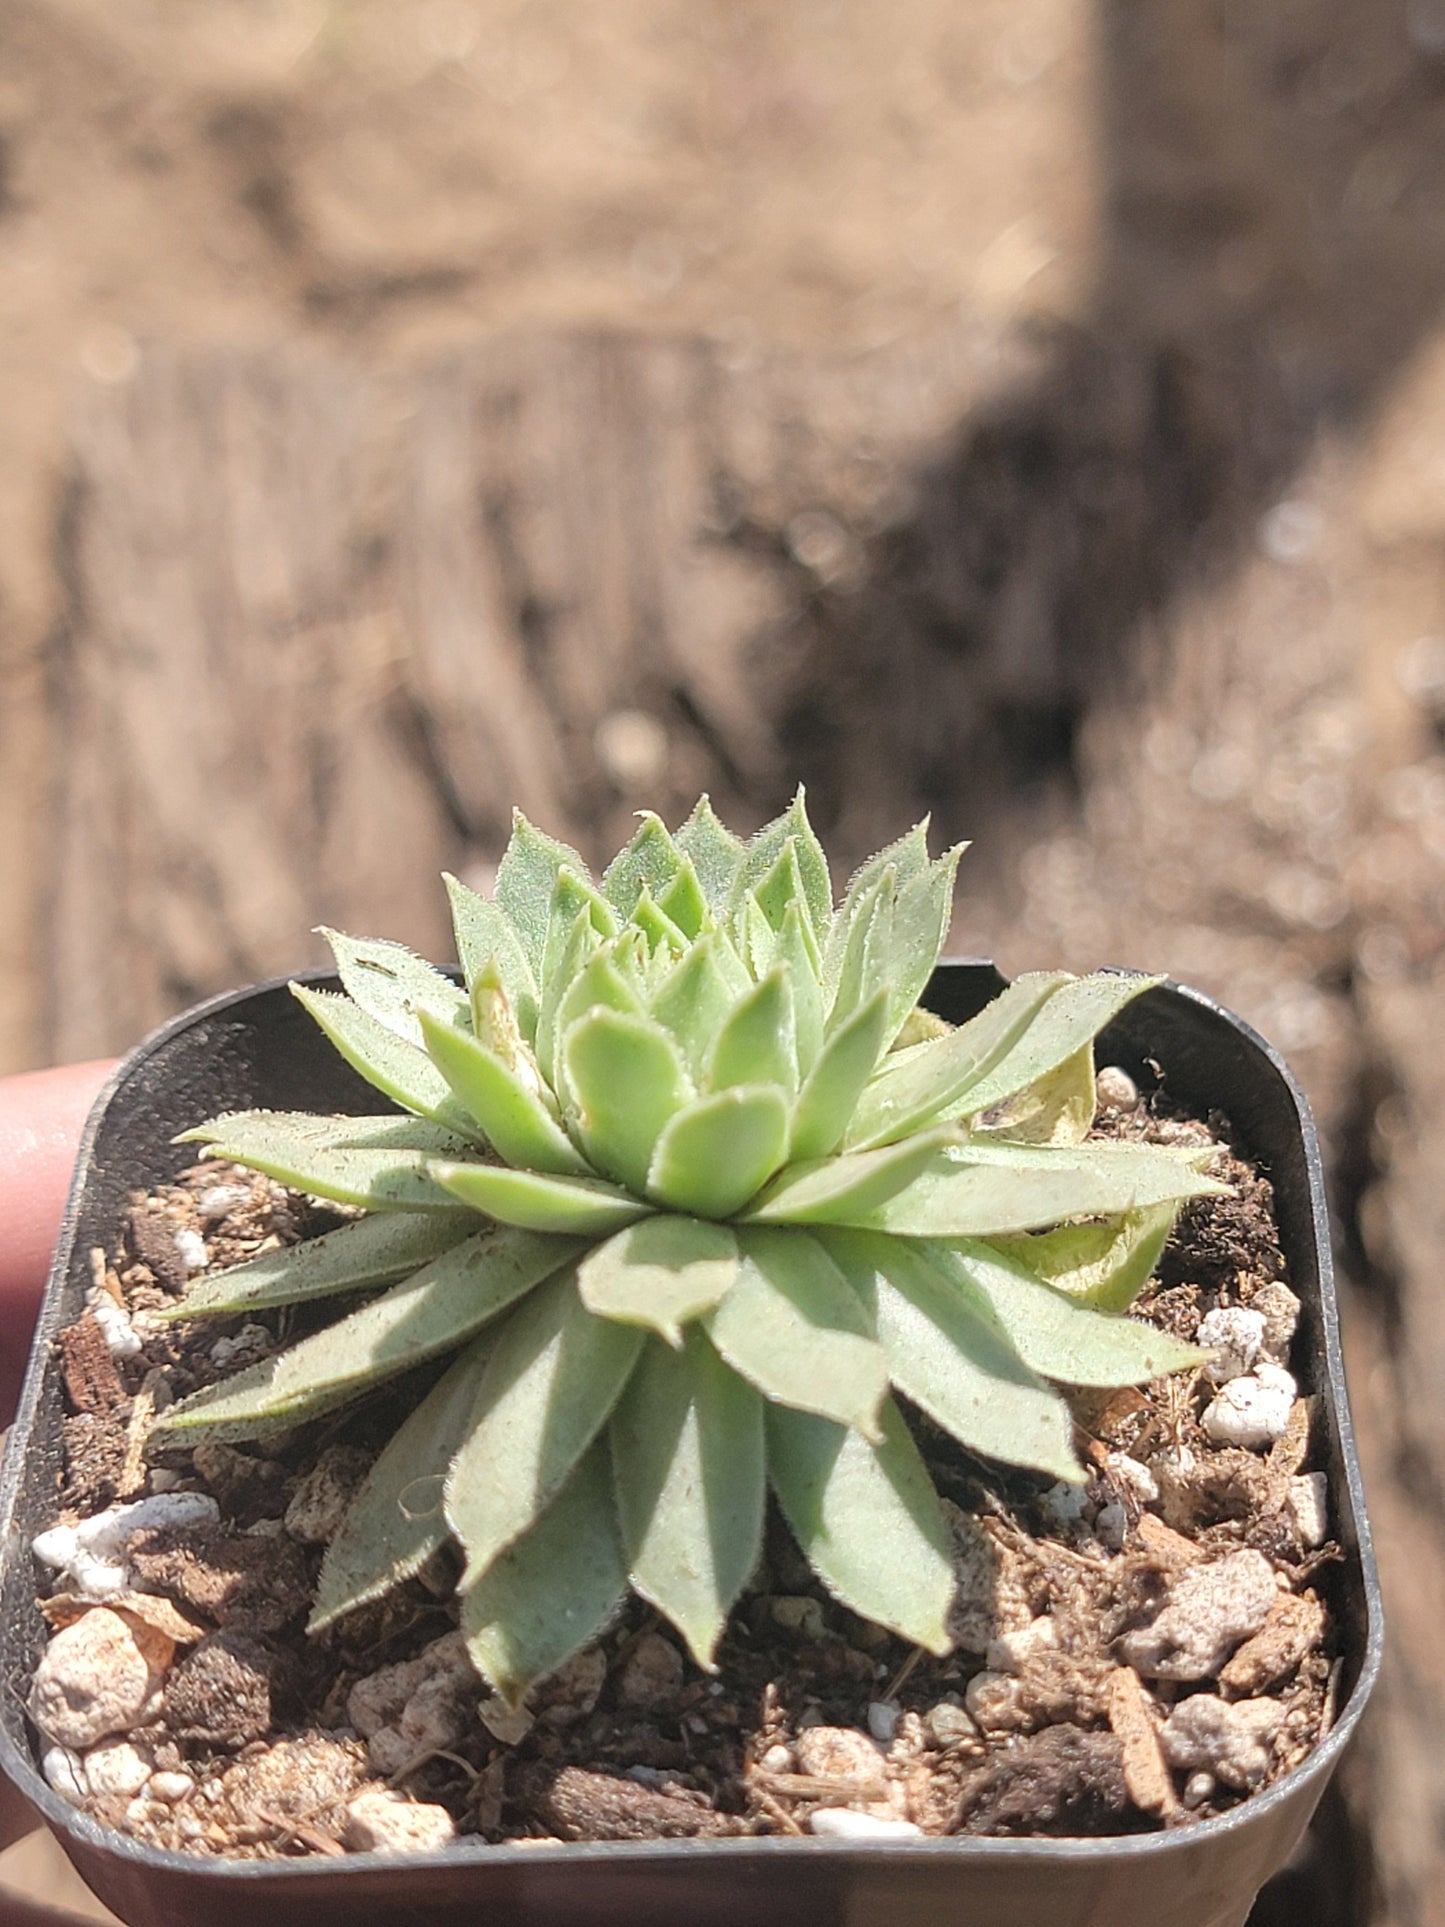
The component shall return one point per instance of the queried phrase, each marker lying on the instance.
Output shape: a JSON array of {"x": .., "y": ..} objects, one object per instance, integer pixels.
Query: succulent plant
[{"x": 693, "y": 1193}]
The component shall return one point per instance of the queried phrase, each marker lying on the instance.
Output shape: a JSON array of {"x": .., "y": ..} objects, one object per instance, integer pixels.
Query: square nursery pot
[{"x": 259, "y": 1048}]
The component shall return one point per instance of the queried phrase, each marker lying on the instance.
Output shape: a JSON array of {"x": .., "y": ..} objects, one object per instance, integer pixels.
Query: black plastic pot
[{"x": 260, "y": 1048}]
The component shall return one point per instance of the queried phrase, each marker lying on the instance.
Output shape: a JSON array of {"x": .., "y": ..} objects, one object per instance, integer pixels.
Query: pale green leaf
[
  {"x": 484, "y": 935},
  {"x": 391, "y": 983},
  {"x": 625, "y": 1079},
  {"x": 552, "y": 1377},
  {"x": 907, "y": 858},
  {"x": 717, "y": 855},
  {"x": 828, "y": 1099},
  {"x": 920, "y": 1026},
  {"x": 436, "y": 1309},
  {"x": 683, "y": 900},
  {"x": 395, "y": 1520},
  {"x": 795, "y": 954},
  {"x": 758, "y": 1041},
  {"x": 572, "y": 899},
  {"x": 849, "y": 1189},
  {"x": 585, "y": 950},
  {"x": 1105, "y": 1262},
  {"x": 794, "y": 1327},
  {"x": 922, "y": 912},
  {"x": 1057, "y": 1109},
  {"x": 719, "y": 1151},
  {"x": 526, "y": 880},
  {"x": 661, "y": 1273},
  {"x": 540, "y": 1200},
  {"x": 754, "y": 938},
  {"x": 551, "y": 1593},
  {"x": 658, "y": 928},
  {"x": 378, "y": 1162},
  {"x": 866, "y": 951},
  {"x": 690, "y": 1479},
  {"x": 979, "y": 1190},
  {"x": 1055, "y": 1334},
  {"x": 929, "y": 1081},
  {"x": 867, "y": 1519},
  {"x": 507, "y": 1105},
  {"x": 950, "y": 1357},
  {"x": 694, "y": 999},
  {"x": 783, "y": 891},
  {"x": 764, "y": 850},
  {"x": 1069, "y": 1020},
  {"x": 650, "y": 862},
  {"x": 374, "y": 1250},
  {"x": 402, "y": 1071}
]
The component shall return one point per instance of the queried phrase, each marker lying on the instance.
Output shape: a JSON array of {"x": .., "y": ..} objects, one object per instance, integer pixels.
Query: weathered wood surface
[{"x": 324, "y": 629}]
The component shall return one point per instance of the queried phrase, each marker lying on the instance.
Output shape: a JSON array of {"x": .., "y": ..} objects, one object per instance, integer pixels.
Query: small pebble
[
  {"x": 1133, "y": 1478},
  {"x": 1229, "y": 1741},
  {"x": 798, "y": 1615},
  {"x": 777, "y": 1759},
  {"x": 842, "y": 1823},
  {"x": 1198, "y": 1788},
  {"x": 191, "y": 1250},
  {"x": 1252, "y": 1411},
  {"x": 837, "y": 1753},
  {"x": 380, "y": 1821},
  {"x": 507, "y": 1725},
  {"x": 116, "y": 1766},
  {"x": 164, "y": 1479},
  {"x": 1208, "y": 1610},
  {"x": 220, "y": 1201},
  {"x": 170, "y": 1787},
  {"x": 324, "y": 1492},
  {"x": 1111, "y": 1526},
  {"x": 249, "y": 1343},
  {"x": 1307, "y": 1505},
  {"x": 1065, "y": 1504},
  {"x": 950, "y": 1725},
  {"x": 57, "y": 1547},
  {"x": 1115, "y": 1089},
  {"x": 1007, "y": 1653},
  {"x": 882, "y": 1720},
  {"x": 652, "y": 1672},
  {"x": 1235, "y": 1336},
  {"x": 993, "y": 1699},
  {"x": 97, "y": 1676},
  {"x": 64, "y": 1771},
  {"x": 1281, "y": 1309}
]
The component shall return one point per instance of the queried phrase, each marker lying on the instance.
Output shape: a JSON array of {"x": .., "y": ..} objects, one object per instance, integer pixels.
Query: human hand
[{"x": 41, "y": 1117}]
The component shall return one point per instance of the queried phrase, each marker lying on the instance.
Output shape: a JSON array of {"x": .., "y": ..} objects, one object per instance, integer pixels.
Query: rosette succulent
[{"x": 696, "y": 1202}]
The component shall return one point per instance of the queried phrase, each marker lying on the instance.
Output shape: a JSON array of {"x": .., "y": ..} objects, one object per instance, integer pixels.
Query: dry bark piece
[
  {"x": 220, "y": 1694},
  {"x": 1165, "y": 1546},
  {"x": 150, "y": 1609},
  {"x": 1293, "y": 1628},
  {"x": 1146, "y": 1772},
  {"x": 92, "y": 1382},
  {"x": 1060, "y": 1781},
  {"x": 596, "y": 1806},
  {"x": 153, "y": 1240},
  {"x": 243, "y": 1581}
]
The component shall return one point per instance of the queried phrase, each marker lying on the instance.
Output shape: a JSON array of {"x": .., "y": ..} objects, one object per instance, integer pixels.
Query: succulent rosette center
[{"x": 695, "y": 1199}]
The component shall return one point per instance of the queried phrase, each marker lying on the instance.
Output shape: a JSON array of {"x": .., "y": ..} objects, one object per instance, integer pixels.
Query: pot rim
[{"x": 21, "y": 1768}]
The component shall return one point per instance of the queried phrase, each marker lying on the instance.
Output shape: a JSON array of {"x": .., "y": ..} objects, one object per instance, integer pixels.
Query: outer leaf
[
  {"x": 849, "y": 1189},
  {"x": 554, "y": 1374},
  {"x": 375, "y": 1250},
  {"x": 661, "y": 1273},
  {"x": 793, "y": 1326},
  {"x": 553, "y": 1591},
  {"x": 379, "y": 1162},
  {"x": 866, "y": 949},
  {"x": 484, "y": 935},
  {"x": 922, "y": 913},
  {"x": 526, "y": 880},
  {"x": 1071, "y": 1018},
  {"x": 517, "y": 1124},
  {"x": 433, "y": 1311},
  {"x": 649, "y": 862},
  {"x": 391, "y": 983},
  {"x": 626, "y": 1079},
  {"x": 758, "y": 1042},
  {"x": 716, "y": 854},
  {"x": 1105, "y": 1263},
  {"x": 929, "y": 1081},
  {"x": 1058, "y": 1109},
  {"x": 1056, "y": 1335},
  {"x": 867, "y": 1519},
  {"x": 720, "y": 1151},
  {"x": 952, "y": 1359},
  {"x": 688, "y": 1464},
  {"x": 398, "y": 1069},
  {"x": 907, "y": 858},
  {"x": 694, "y": 1000},
  {"x": 395, "y": 1522},
  {"x": 976, "y": 1190},
  {"x": 539, "y": 1200},
  {"x": 828, "y": 1099}
]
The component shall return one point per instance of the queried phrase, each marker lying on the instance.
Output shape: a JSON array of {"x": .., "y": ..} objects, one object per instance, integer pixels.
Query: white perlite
[
  {"x": 1307, "y": 1507},
  {"x": 842, "y": 1823},
  {"x": 1209, "y": 1609},
  {"x": 121, "y": 1340},
  {"x": 1252, "y": 1411},
  {"x": 1231, "y": 1742},
  {"x": 380, "y": 1821},
  {"x": 91, "y": 1555},
  {"x": 191, "y": 1250},
  {"x": 98, "y": 1675},
  {"x": 220, "y": 1201},
  {"x": 64, "y": 1771},
  {"x": 1235, "y": 1336}
]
